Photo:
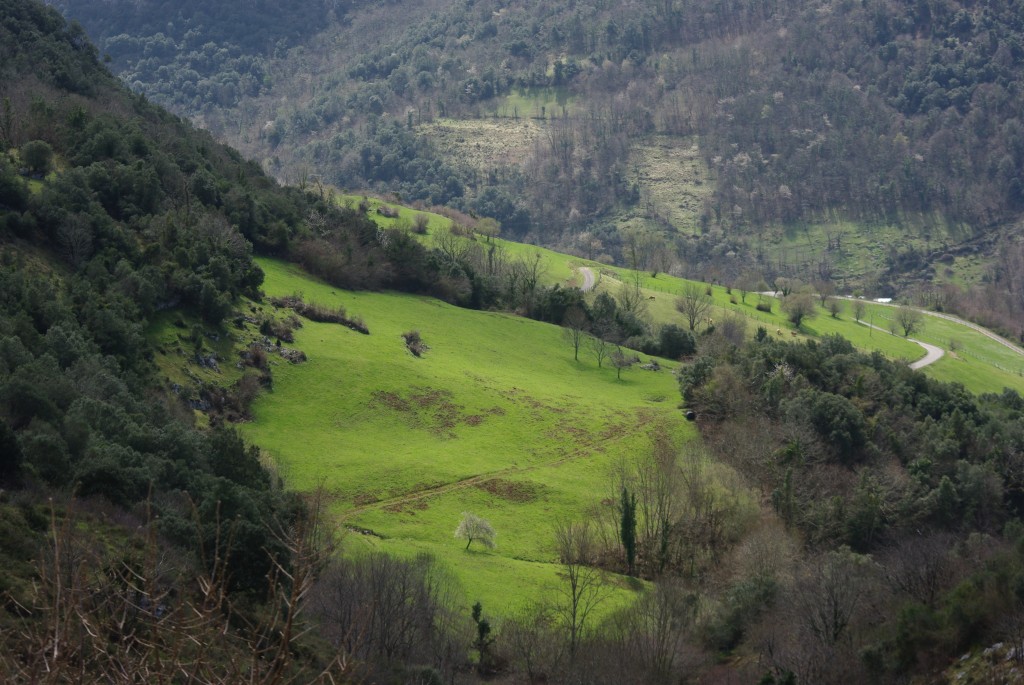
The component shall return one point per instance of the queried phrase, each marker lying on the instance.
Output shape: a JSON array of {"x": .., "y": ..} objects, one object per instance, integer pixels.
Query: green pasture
[
  {"x": 980, "y": 364},
  {"x": 547, "y": 103},
  {"x": 496, "y": 418}
]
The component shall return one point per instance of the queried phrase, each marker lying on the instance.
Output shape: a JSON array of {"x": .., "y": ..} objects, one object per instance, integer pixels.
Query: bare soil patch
[{"x": 512, "y": 491}]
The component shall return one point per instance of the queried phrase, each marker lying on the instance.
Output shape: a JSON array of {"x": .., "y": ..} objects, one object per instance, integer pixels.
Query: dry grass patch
[
  {"x": 485, "y": 144},
  {"x": 673, "y": 179},
  {"x": 519, "y": 492}
]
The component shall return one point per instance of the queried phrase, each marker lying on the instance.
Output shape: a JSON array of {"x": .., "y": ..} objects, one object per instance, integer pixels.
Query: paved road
[
  {"x": 588, "y": 279},
  {"x": 933, "y": 355},
  {"x": 927, "y": 359}
]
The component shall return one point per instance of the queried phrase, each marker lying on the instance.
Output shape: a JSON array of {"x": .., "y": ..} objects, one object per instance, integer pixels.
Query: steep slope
[
  {"x": 884, "y": 113},
  {"x": 129, "y": 536}
]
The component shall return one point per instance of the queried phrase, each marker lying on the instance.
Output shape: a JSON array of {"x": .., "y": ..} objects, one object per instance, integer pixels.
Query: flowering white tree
[{"x": 473, "y": 527}]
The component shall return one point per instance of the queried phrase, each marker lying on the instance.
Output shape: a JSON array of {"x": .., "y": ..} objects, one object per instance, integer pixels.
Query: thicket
[{"x": 862, "y": 454}]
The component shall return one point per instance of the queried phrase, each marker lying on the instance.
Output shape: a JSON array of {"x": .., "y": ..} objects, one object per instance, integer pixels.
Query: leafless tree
[
  {"x": 582, "y": 588},
  {"x": 921, "y": 567},
  {"x": 694, "y": 303},
  {"x": 824, "y": 290},
  {"x": 380, "y": 609},
  {"x": 139, "y": 614},
  {"x": 575, "y": 325},
  {"x": 818, "y": 633},
  {"x": 600, "y": 348},
  {"x": 621, "y": 360},
  {"x": 535, "y": 643},
  {"x": 650, "y": 639},
  {"x": 75, "y": 237}
]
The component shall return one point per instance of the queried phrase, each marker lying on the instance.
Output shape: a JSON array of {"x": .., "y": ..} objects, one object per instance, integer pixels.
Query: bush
[
  {"x": 675, "y": 342},
  {"x": 415, "y": 343}
]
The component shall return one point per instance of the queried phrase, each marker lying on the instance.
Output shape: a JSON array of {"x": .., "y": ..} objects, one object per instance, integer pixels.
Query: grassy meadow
[{"x": 496, "y": 418}]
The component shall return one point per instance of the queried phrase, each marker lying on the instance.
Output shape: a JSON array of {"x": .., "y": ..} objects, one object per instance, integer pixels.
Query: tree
[
  {"x": 489, "y": 228},
  {"x": 909, "y": 319},
  {"x": 627, "y": 528},
  {"x": 575, "y": 324},
  {"x": 858, "y": 309},
  {"x": 834, "y": 306},
  {"x": 825, "y": 290},
  {"x": 674, "y": 342},
  {"x": 600, "y": 348},
  {"x": 620, "y": 360},
  {"x": 482, "y": 643},
  {"x": 798, "y": 307},
  {"x": 694, "y": 303},
  {"x": 584, "y": 585},
  {"x": 473, "y": 527},
  {"x": 37, "y": 156}
]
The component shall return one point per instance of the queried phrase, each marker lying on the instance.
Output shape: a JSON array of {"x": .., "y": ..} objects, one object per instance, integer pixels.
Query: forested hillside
[
  {"x": 135, "y": 539},
  {"x": 142, "y": 539},
  {"x": 883, "y": 113}
]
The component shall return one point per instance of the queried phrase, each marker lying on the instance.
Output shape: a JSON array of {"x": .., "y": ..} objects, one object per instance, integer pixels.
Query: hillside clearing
[{"x": 495, "y": 418}]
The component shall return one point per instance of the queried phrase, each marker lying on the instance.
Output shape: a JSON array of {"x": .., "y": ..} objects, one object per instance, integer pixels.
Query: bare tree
[
  {"x": 75, "y": 237},
  {"x": 140, "y": 615},
  {"x": 922, "y": 567},
  {"x": 534, "y": 642},
  {"x": 694, "y": 303},
  {"x": 824, "y": 290},
  {"x": 379, "y": 609},
  {"x": 620, "y": 360},
  {"x": 600, "y": 348},
  {"x": 575, "y": 325},
  {"x": 651, "y": 636},
  {"x": 583, "y": 588}
]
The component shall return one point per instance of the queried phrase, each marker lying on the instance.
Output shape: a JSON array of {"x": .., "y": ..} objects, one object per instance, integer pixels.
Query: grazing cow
[
  {"x": 778, "y": 331},
  {"x": 793, "y": 333}
]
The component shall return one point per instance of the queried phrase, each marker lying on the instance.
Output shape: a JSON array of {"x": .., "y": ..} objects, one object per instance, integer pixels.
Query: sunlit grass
[{"x": 496, "y": 418}]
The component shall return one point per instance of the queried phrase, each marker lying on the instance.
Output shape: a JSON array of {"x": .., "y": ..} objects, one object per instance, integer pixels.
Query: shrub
[{"x": 415, "y": 343}]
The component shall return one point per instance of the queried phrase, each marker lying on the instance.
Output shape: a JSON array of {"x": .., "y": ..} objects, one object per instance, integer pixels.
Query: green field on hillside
[
  {"x": 979, "y": 363},
  {"x": 495, "y": 418}
]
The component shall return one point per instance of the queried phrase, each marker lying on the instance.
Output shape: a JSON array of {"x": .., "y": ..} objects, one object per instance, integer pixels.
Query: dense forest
[{"x": 141, "y": 539}]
